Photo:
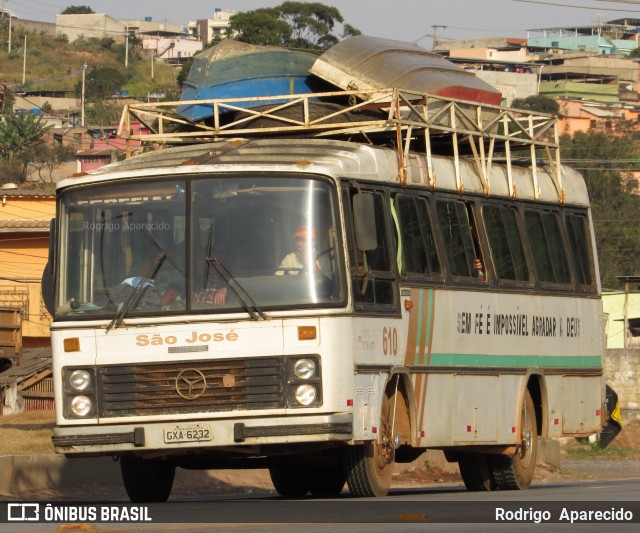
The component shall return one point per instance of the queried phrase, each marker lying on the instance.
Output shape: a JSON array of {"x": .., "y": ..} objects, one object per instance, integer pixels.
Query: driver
[{"x": 305, "y": 256}]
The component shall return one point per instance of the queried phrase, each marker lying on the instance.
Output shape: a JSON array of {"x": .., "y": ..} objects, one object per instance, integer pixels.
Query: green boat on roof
[{"x": 232, "y": 69}]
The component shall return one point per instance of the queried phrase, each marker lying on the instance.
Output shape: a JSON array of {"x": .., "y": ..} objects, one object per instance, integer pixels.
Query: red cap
[{"x": 303, "y": 233}]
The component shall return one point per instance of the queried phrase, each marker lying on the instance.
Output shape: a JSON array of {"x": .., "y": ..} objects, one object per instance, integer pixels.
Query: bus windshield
[{"x": 203, "y": 244}]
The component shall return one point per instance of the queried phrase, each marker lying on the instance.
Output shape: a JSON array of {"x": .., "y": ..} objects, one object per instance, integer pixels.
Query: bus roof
[{"x": 343, "y": 159}]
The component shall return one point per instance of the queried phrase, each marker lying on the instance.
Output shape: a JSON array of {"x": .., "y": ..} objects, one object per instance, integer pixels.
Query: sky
[{"x": 405, "y": 20}]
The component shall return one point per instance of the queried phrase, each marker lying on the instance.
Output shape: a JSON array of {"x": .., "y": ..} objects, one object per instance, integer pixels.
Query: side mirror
[
  {"x": 48, "y": 276},
  {"x": 364, "y": 217}
]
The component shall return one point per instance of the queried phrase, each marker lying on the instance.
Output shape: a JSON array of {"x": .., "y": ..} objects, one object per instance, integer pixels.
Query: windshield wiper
[
  {"x": 134, "y": 298},
  {"x": 247, "y": 303},
  {"x": 150, "y": 236}
]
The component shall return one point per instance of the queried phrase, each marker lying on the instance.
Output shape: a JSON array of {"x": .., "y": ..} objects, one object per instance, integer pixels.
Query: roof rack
[{"x": 406, "y": 120}]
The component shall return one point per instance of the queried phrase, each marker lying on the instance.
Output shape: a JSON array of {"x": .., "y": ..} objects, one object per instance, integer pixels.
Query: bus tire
[
  {"x": 147, "y": 480},
  {"x": 475, "y": 469},
  {"x": 370, "y": 465},
  {"x": 516, "y": 472},
  {"x": 327, "y": 482},
  {"x": 289, "y": 482}
]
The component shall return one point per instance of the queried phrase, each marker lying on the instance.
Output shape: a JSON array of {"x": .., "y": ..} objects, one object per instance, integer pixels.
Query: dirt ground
[{"x": 579, "y": 461}]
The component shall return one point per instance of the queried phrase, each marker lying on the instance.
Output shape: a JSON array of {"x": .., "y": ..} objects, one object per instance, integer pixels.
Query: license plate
[{"x": 188, "y": 433}]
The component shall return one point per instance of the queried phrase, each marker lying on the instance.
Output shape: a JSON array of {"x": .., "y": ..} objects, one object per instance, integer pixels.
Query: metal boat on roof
[
  {"x": 364, "y": 62},
  {"x": 232, "y": 69}
]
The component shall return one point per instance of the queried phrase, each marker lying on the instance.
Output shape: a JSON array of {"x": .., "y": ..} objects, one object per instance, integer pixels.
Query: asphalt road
[{"x": 449, "y": 508}]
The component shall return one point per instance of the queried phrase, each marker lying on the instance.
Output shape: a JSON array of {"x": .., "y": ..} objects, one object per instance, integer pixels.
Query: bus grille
[{"x": 164, "y": 388}]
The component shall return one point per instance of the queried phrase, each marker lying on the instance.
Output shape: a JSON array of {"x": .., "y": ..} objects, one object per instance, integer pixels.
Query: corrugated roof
[
  {"x": 100, "y": 151},
  {"x": 599, "y": 112},
  {"x": 32, "y": 361},
  {"x": 26, "y": 224},
  {"x": 26, "y": 193}
]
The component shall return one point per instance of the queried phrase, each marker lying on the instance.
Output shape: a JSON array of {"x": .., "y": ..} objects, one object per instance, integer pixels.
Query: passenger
[{"x": 477, "y": 265}]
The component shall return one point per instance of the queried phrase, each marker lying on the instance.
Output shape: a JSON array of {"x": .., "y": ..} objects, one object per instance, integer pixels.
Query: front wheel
[
  {"x": 370, "y": 466},
  {"x": 327, "y": 481},
  {"x": 516, "y": 472},
  {"x": 289, "y": 482},
  {"x": 147, "y": 480}
]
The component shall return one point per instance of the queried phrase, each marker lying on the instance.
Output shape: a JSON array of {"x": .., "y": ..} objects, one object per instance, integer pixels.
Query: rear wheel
[
  {"x": 370, "y": 466},
  {"x": 516, "y": 472},
  {"x": 289, "y": 482},
  {"x": 147, "y": 480},
  {"x": 475, "y": 469}
]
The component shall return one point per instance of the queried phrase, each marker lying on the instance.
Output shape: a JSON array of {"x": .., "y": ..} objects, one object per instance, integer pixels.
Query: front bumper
[{"x": 110, "y": 439}]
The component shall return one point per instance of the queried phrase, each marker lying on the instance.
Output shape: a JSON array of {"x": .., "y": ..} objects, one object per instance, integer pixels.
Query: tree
[
  {"x": 260, "y": 26},
  {"x": 46, "y": 158},
  {"x": 101, "y": 82},
  {"x": 291, "y": 24},
  {"x": 78, "y": 10},
  {"x": 104, "y": 113},
  {"x": 184, "y": 72},
  {"x": 538, "y": 103},
  {"x": 20, "y": 133},
  {"x": 311, "y": 24},
  {"x": 606, "y": 159},
  {"x": 349, "y": 31}
]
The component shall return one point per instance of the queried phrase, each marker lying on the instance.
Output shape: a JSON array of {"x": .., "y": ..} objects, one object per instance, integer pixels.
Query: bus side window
[
  {"x": 373, "y": 277},
  {"x": 460, "y": 236},
  {"x": 419, "y": 251},
  {"x": 507, "y": 252},
  {"x": 580, "y": 247},
  {"x": 545, "y": 238}
]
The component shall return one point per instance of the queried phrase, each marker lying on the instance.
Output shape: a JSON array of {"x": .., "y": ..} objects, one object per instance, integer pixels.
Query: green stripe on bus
[
  {"x": 428, "y": 324},
  {"x": 419, "y": 330},
  {"x": 480, "y": 360}
]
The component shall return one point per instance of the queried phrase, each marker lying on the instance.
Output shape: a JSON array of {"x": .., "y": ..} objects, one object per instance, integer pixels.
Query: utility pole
[
  {"x": 9, "y": 48},
  {"x": 84, "y": 70},
  {"x": 126, "y": 49},
  {"x": 435, "y": 38},
  {"x": 24, "y": 61}
]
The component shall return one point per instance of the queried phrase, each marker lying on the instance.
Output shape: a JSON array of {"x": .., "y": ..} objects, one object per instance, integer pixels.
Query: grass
[
  {"x": 49, "y": 58},
  {"x": 26, "y": 433},
  {"x": 591, "y": 451}
]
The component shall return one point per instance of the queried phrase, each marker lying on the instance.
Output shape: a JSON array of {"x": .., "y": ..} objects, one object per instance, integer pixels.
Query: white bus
[{"x": 310, "y": 300}]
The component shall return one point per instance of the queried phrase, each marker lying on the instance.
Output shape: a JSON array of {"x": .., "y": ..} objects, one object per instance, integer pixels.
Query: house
[
  {"x": 207, "y": 29},
  {"x": 615, "y": 37},
  {"x": 106, "y": 147},
  {"x": 27, "y": 386},
  {"x": 589, "y": 77},
  {"x": 100, "y": 25},
  {"x": 584, "y": 115},
  {"x": 25, "y": 215},
  {"x": 172, "y": 49},
  {"x": 622, "y": 330}
]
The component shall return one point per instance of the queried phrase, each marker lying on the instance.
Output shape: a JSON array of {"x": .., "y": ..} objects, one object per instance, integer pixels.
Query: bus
[{"x": 327, "y": 295}]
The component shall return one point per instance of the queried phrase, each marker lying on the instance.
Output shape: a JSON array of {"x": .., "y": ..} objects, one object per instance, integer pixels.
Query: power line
[{"x": 553, "y": 4}]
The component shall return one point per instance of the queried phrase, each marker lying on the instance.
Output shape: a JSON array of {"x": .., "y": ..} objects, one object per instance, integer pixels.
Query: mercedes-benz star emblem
[{"x": 191, "y": 384}]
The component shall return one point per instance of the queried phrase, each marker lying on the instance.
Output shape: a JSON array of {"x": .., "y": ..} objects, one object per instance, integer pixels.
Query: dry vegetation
[{"x": 26, "y": 433}]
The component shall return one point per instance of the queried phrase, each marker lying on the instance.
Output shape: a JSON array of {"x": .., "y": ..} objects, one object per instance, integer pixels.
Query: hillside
[{"x": 56, "y": 65}]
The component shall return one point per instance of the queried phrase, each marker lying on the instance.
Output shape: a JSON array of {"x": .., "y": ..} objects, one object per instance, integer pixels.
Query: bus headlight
[
  {"x": 304, "y": 368},
  {"x": 80, "y": 398},
  {"x": 306, "y": 394},
  {"x": 81, "y": 405},
  {"x": 303, "y": 380},
  {"x": 80, "y": 380}
]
